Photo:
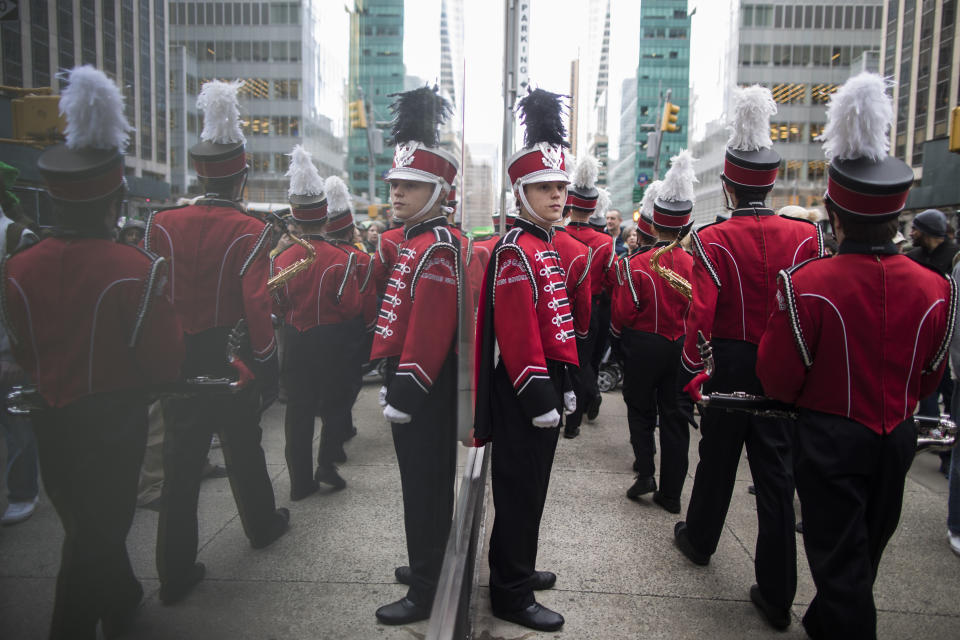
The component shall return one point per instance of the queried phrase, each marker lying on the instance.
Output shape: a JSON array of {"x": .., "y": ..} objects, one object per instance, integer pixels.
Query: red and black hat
[
  {"x": 674, "y": 200},
  {"x": 308, "y": 202},
  {"x": 339, "y": 205},
  {"x": 645, "y": 227},
  {"x": 221, "y": 152},
  {"x": 89, "y": 165},
  {"x": 863, "y": 180},
  {"x": 582, "y": 193},
  {"x": 750, "y": 160}
]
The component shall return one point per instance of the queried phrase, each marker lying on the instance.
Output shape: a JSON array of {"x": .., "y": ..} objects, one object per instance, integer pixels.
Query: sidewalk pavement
[{"x": 619, "y": 576}]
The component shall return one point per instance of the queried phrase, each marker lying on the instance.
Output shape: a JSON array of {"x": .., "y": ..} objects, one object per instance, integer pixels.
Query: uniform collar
[
  {"x": 423, "y": 227},
  {"x": 750, "y": 211},
  {"x": 585, "y": 225},
  {"x": 313, "y": 236},
  {"x": 219, "y": 202},
  {"x": 535, "y": 229},
  {"x": 849, "y": 246}
]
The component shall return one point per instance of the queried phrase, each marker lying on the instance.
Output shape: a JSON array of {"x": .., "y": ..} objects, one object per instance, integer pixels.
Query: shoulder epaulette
[
  {"x": 351, "y": 264},
  {"x": 586, "y": 268},
  {"x": 366, "y": 276},
  {"x": 951, "y": 320},
  {"x": 785, "y": 276},
  {"x": 469, "y": 249},
  {"x": 613, "y": 252},
  {"x": 700, "y": 253},
  {"x": 261, "y": 241},
  {"x": 509, "y": 243},
  {"x": 156, "y": 279}
]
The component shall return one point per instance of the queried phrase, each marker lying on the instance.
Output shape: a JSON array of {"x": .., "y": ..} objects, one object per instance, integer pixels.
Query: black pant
[
  {"x": 319, "y": 373},
  {"x": 850, "y": 481},
  {"x": 600, "y": 310},
  {"x": 427, "y": 456},
  {"x": 520, "y": 467},
  {"x": 650, "y": 366},
  {"x": 90, "y": 456},
  {"x": 589, "y": 354},
  {"x": 189, "y": 424},
  {"x": 768, "y": 442}
]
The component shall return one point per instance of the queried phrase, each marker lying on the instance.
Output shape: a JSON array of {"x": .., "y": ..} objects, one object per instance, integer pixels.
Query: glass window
[
  {"x": 858, "y": 18},
  {"x": 264, "y": 13},
  {"x": 278, "y": 51},
  {"x": 255, "y": 13},
  {"x": 237, "y": 13},
  {"x": 211, "y": 18},
  {"x": 246, "y": 13},
  {"x": 801, "y": 55},
  {"x": 788, "y": 17},
  {"x": 828, "y": 17},
  {"x": 818, "y": 17},
  {"x": 778, "y": 16},
  {"x": 295, "y": 47},
  {"x": 761, "y": 54},
  {"x": 744, "y": 55},
  {"x": 294, "y": 13},
  {"x": 218, "y": 13},
  {"x": 838, "y": 17},
  {"x": 868, "y": 18},
  {"x": 278, "y": 14},
  {"x": 746, "y": 12},
  {"x": 848, "y": 17},
  {"x": 807, "y": 17}
]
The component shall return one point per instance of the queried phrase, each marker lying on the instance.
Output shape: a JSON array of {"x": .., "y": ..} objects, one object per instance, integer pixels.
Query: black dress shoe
[
  {"x": 300, "y": 494},
  {"x": 571, "y": 433},
  {"x": 403, "y": 611},
  {"x": 174, "y": 592},
  {"x": 799, "y": 526},
  {"x": 280, "y": 526},
  {"x": 536, "y": 616},
  {"x": 543, "y": 580},
  {"x": 642, "y": 486},
  {"x": 670, "y": 505},
  {"x": 329, "y": 476},
  {"x": 403, "y": 574},
  {"x": 777, "y": 618},
  {"x": 683, "y": 543},
  {"x": 752, "y": 489}
]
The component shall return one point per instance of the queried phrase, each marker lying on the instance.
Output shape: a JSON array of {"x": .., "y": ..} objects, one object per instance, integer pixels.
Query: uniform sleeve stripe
[
  {"x": 414, "y": 367},
  {"x": 951, "y": 319},
  {"x": 256, "y": 249},
  {"x": 795, "y": 319},
  {"x": 698, "y": 248},
  {"x": 414, "y": 378},
  {"x": 529, "y": 379},
  {"x": 148, "y": 294},
  {"x": 528, "y": 370}
]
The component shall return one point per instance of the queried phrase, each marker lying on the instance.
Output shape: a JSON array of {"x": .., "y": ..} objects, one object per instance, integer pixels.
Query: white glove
[
  {"x": 382, "y": 397},
  {"x": 395, "y": 415},
  {"x": 569, "y": 402},
  {"x": 547, "y": 421}
]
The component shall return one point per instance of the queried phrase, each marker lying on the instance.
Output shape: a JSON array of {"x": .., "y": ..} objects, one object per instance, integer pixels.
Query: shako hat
[
  {"x": 308, "y": 202},
  {"x": 645, "y": 227},
  {"x": 599, "y": 216},
  {"x": 542, "y": 158},
  {"x": 339, "y": 205},
  {"x": 89, "y": 164},
  {"x": 582, "y": 192},
  {"x": 220, "y": 152},
  {"x": 674, "y": 201},
  {"x": 863, "y": 179},
  {"x": 750, "y": 160},
  {"x": 417, "y": 116},
  {"x": 645, "y": 222}
]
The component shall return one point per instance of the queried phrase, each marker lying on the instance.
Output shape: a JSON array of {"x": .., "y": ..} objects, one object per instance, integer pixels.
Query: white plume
[
  {"x": 678, "y": 183},
  {"x": 649, "y": 195},
  {"x": 93, "y": 107},
  {"x": 586, "y": 172},
  {"x": 859, "y": 116},
  {"x": 338, "y": 196},
  {"x": 750, "y": 119},
  {"x": 221, "y": 112},
  {"x": 603, "y": 202},
  {"x": 305, "y": 180}
]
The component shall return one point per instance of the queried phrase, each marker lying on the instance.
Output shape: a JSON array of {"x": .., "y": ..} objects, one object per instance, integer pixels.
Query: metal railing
[{"x": 450, "y": 616}]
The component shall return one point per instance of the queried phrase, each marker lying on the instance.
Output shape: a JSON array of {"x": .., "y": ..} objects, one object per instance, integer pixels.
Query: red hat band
[
  {"x": 587, "y": 204},
  {"x": 221, "y": 168},
  {"x": 644, "y": 227},
  {"x": 668, "y": 220},
  {"x": 545, "y": 161},
  {"x": 414, "y": 162},
  {"x": 339, "y": 221},
  {"x": 866, "y": 204},
  {"x": 309, "y": 213},
  {"x": 749, "y": 177}
]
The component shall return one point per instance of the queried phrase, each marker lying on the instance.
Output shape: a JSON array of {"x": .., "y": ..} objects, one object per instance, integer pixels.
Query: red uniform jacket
[
  {"x": 418, "y": 317},
  {"x": 327, "y": 292},
  {"x": 531, "y": 319},
  {"x": 602, "y": 274},
  {"x": 388, "y": 247},
  {"x": 576, "y": 259},
  {"x": 368, "y": 290},
  {"x": 734, "y": 278},
  {"x": 647, "y": 302},
  {"x": 87, "y": 316},
  {"x": 860, "y": 335},
  {"x": 219, "y": 268}
]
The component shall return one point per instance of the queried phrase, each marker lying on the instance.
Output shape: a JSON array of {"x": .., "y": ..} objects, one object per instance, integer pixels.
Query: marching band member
[
  {"x": 416, "y": 332},
  {"x": 734, "y": 285},
  {"x": 854, "y": 342},
  {"x": 322, "y": 327},
  {"x": 582, "y": 198},
  {"x": 218, "y": 277},
  {"x": 525, "y": 310},
  {"x": 91, "y": 365},
  {"x": 647, "y": 318}
]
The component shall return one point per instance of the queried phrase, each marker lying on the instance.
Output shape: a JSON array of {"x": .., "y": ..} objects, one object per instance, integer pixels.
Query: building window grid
[
  {"x": 88, "y": 32},
  {"x": 40, "y": 43},
  {"x": 12, "y": 55},
  {"x": 942, "y": 96},
  {"x": 108, "y": 22},
  {"x": 146, "y": 99},
  {"x": 160, "y": 76},
  {"x": 811, "y": 16},
  {"x": 65, "y": 35}
]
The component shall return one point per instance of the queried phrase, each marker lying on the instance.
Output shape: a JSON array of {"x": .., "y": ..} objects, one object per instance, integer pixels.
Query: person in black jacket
[{"x": 931, "y": 245}]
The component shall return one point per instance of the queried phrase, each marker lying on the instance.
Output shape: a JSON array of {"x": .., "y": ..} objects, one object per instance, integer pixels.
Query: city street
[{"x": 619, "y": 575}]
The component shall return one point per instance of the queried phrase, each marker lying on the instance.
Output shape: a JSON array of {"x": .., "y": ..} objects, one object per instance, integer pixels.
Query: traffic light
[
  {"x": 373, "y": 211},
  {"x": 358, "y": 117},
  {"x": 955, "y": 130},
  {"x": 669, "y": 122}
]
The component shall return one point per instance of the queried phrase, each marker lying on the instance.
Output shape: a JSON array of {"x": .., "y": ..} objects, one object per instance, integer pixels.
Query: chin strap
[
  {"x": 427, "y": 208},
  {"x": 518, "y": 188}
]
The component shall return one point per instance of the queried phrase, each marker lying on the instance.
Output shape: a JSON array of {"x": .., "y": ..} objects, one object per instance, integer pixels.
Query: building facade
[
  {"x": 802, "y": 52},
  {"x": 376, "y": 71},
  {"x": 664, "y": 64},
  {"x": 292, "y": 58}
]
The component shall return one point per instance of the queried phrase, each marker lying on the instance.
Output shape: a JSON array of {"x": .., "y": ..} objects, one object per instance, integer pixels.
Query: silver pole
[{"x": 509, "y": 98}]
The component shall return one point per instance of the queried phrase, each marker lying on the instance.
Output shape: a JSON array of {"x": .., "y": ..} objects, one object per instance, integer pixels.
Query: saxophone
[
  {"x": 284, "y": 275},
  {"x": 673, "y": 278}
]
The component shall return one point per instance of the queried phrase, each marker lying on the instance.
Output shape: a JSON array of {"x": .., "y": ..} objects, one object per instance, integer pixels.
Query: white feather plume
[
  {"x": 603, "y": 202},
  {"x": 585, "y": 173},
  {"x": 678, "y": 183},
  {"x": 305, "y": 180},
  {"x": 93, "y": 106},
  {"x": 750, "y": 118},
  {"x": 338, "y": 196},
  {"x": 859, "y": 116},
  {"x": 649, "y": 195},
  {"x": 221, "y": 112}
]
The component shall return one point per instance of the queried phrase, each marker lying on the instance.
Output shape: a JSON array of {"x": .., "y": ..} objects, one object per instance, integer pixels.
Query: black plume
[
  {"x": 540, "y": 111},
  {"x": 417, "y": 116}
]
